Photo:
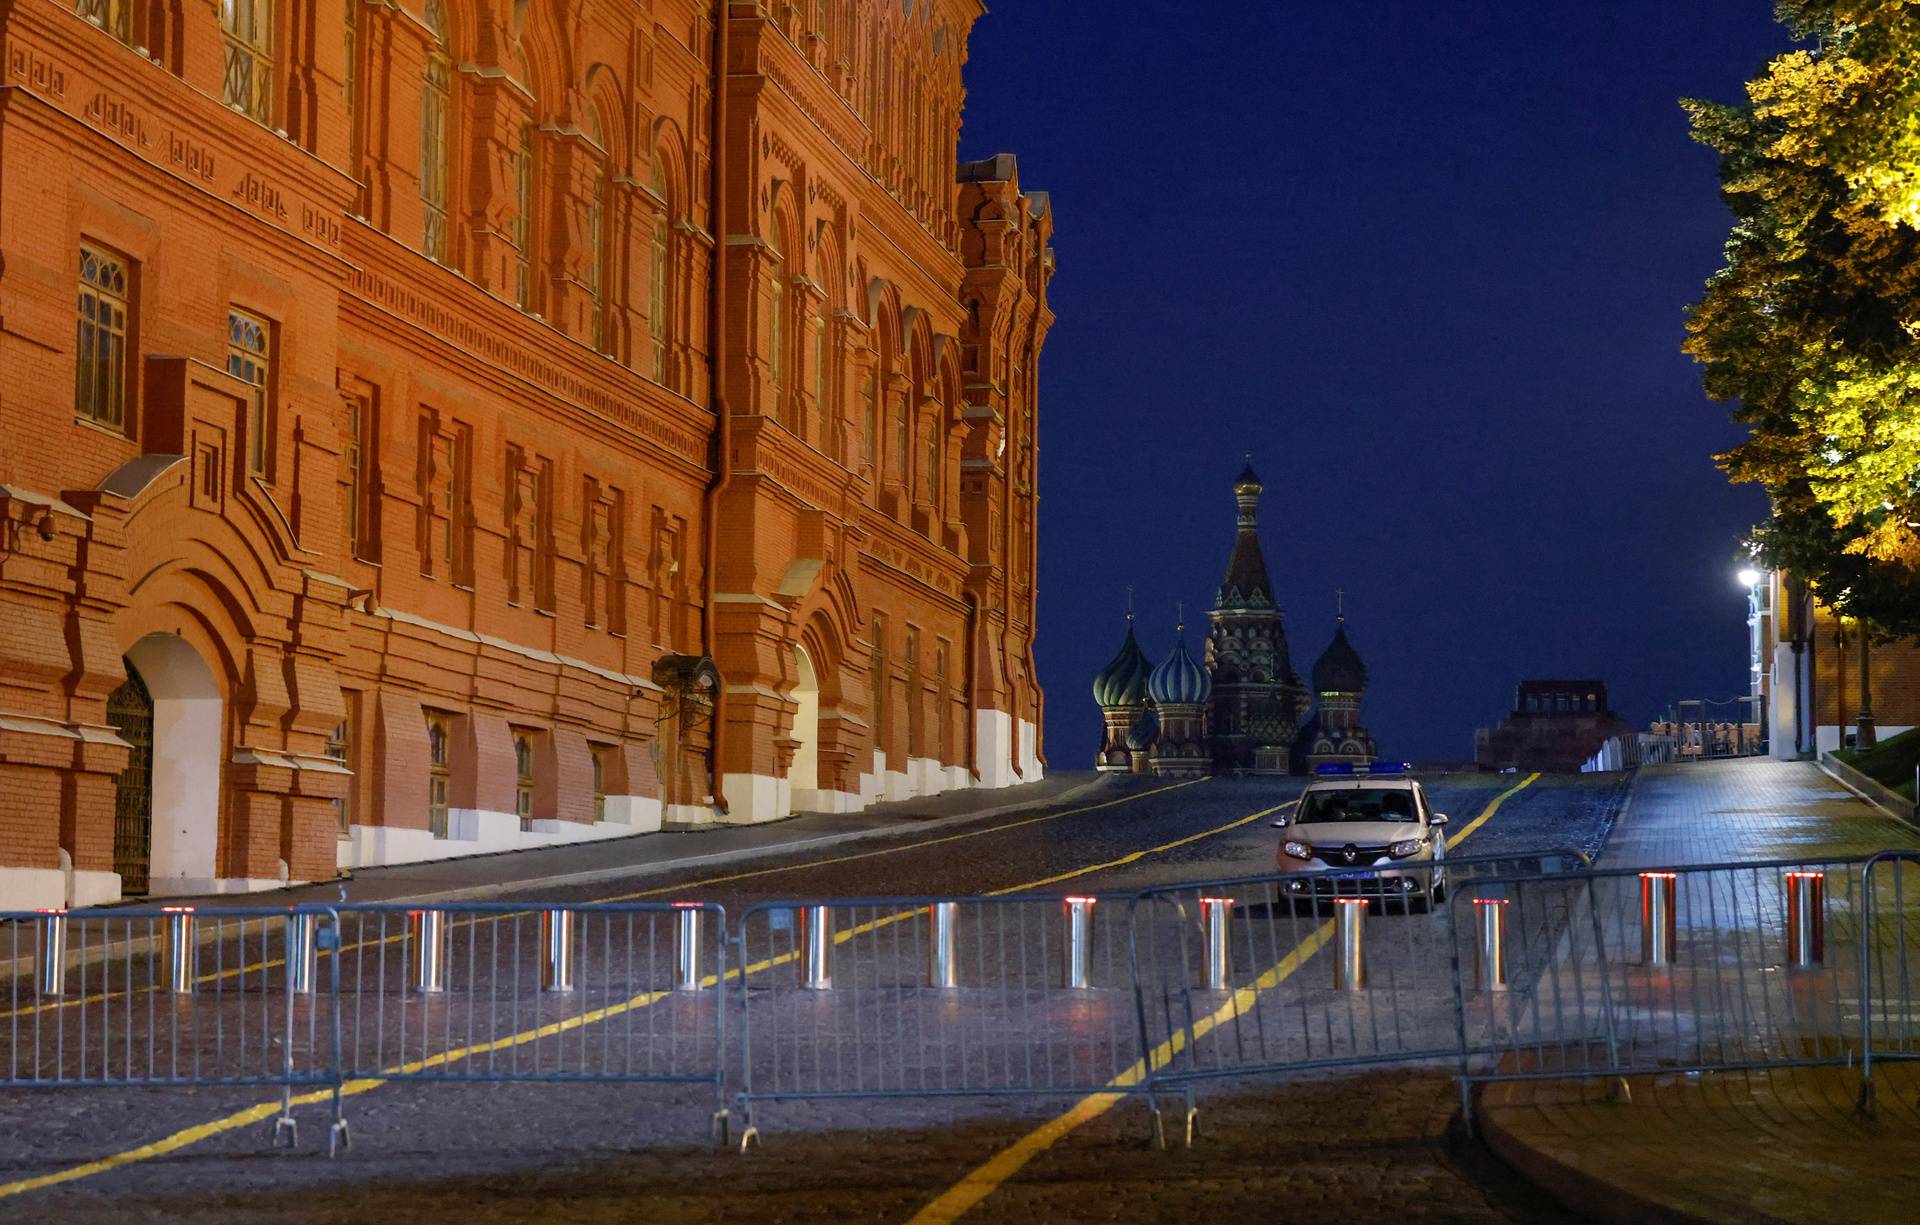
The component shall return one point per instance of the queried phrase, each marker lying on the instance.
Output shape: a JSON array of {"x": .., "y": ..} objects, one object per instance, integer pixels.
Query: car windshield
[{"x": 1358, "y": 804}]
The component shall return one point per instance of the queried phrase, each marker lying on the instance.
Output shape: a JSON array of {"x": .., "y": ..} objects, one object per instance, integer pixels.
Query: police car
[{"x": 1367, "y": 832}]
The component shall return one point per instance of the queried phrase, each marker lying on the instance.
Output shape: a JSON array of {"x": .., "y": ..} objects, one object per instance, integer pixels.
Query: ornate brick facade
[{"x": 372, "y": 487}]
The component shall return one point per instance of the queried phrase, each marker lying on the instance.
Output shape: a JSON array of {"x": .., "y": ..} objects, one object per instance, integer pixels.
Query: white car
[{"x": 1369, "y": 836}]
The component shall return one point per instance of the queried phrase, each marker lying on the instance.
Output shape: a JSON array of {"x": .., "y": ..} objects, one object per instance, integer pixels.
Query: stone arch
[{"x": 605, "y": 101}]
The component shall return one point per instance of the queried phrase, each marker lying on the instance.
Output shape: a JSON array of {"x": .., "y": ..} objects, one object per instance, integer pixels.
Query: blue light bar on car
[
  {"x": 1334, "y": 767},
  {"x": 1389, "y": 767}
]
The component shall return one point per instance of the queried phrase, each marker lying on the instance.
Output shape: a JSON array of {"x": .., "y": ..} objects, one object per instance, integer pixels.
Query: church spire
[{"x": 1245, "y": 584}]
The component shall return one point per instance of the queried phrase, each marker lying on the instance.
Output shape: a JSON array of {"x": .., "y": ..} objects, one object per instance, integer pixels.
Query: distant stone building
[
  {"x": 1554, "y": 726},
  {"x": 1242, "y": 710}
]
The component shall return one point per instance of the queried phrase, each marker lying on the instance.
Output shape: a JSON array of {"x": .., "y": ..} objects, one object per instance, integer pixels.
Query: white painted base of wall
[
  {"x": 33, "y": 888},
  {"x": 1827, "y": 736},
  {"x": 813, "y": 800},
  {"x": 1028, "y": 762},
  {"x": 199, "y": 886},
  {"x": 993, "y": 748},
  {"x": 92, "y": 888},
  {"x": 638, "y": 814},
  {"x": 753, "y": 798},
  {"x": 478, "y": 831}
]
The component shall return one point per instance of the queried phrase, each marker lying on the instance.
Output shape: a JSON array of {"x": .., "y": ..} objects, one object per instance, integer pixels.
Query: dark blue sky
[{"x": 1428, "y": 263}]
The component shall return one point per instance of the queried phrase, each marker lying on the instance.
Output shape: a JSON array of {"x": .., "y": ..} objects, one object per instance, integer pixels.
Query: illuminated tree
[{"x": 1813, "y": 326}]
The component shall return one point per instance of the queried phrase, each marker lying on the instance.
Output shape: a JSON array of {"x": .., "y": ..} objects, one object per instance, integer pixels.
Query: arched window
[
  {"x": 822, "y": 411},
  {"x": 659, "y": 296},
  {"x": 436, "y": 112},
  {"x": 777, "y": 323},
  {"x": 597, "y": 246}
]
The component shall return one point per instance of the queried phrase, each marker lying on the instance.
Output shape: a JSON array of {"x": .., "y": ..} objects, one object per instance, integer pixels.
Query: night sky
[{"x": 1428, "y": 264}]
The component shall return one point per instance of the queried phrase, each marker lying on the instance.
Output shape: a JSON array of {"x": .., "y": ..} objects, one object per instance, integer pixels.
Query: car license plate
[{"x": 1355, "y": 875}]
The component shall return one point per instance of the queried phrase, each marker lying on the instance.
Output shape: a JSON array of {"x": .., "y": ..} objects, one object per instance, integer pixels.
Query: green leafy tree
[{"x": 1813, "y": 326}]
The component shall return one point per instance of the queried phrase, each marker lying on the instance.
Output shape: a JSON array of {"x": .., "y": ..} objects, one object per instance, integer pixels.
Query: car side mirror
[
  {"x": 1438, "y": 818},
  {"x": 1279, "y": 823}
]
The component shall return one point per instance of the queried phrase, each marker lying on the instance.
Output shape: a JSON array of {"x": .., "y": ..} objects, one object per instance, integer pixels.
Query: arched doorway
[
  {"x": 803, "y": 777},
  {"x": 130, "y": 711},
  {"x": 181, "y": 768}
]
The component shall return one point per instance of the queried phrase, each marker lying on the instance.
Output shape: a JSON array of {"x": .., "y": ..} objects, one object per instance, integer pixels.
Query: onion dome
[
  {"x": 1124, "y": 681},
  {"x": 1179, "y": 681},
  {"x": 1339, "y": 668},
  {"x": 1145, "y": 730}
]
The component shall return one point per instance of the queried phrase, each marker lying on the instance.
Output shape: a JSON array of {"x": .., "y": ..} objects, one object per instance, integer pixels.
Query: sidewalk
[
  {"x": 519, "y": 873},
  {"x": 1738, "y": 1147}
]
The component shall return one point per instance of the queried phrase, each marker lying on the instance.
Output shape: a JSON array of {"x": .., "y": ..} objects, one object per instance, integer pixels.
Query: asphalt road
[{"x": 565, "y": 1151}]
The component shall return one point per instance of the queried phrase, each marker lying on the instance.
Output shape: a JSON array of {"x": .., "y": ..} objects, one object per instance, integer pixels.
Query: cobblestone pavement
[
  {"x": 528, "y": 1143},
  {"x": 1369, "y": 1148},
  {"x": 1750, "y": 809},
  {"x": 1740, "y": 1147}
]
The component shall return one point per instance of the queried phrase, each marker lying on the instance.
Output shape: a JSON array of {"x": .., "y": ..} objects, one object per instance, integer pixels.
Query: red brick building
[{"x": 420, "y": 435}]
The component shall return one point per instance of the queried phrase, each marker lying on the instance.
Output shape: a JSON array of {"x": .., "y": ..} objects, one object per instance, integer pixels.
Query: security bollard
[
  {"x": 52, "y": 962},
  {"x": 686, "y": 960},
  {"x": 1079, "y": 964},
  {"x": 1490, "y": 960},
  {"x": 302, "y": 952},
  {"x": 1658, "y": 946},
  {"x": 429, "y": 950},
  {"x": 1350, "y": 957},
  {"x": 816, "y": 948},
  {"x": 943, "y": 961},
  {"x": 1216, "y": 910},
  {"x": 556, "y": 949},
  {"x": 180, "y": 949},
  {"x": 1806, "y": 919}
]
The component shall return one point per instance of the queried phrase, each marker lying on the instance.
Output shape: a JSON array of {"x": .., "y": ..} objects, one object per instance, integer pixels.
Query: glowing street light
[{"x": 1749, "y": 577}]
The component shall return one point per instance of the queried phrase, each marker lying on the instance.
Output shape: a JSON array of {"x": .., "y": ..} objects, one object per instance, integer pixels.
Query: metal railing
[
  {"x": 1536, "y": 966},
  {"x": 934, "y": 997}
]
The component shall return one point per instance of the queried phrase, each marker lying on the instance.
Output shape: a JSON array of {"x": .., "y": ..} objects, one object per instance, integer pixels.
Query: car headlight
[
  {"x": 1406, "y": 848},
  {"x": 1296, "y": 850}
]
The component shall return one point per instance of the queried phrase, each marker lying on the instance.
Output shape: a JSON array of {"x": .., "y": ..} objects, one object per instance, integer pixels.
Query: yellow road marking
[
  {"x": 981, "y": 1182},
  {"x": 265, "y": 1110},
  {"x": 79, "y": 1001}
]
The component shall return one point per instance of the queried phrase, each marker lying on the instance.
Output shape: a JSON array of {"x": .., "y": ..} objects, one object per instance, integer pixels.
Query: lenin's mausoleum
[{"x": 431, "y": 427}]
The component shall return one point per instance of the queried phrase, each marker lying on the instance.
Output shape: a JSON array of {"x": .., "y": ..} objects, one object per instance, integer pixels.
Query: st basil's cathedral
[{"x": 1241, "y": 709}]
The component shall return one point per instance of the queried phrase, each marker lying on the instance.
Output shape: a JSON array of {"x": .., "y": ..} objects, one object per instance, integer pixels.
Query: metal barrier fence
[
  {"x": 321, "y": 997},
  {"x": 1712, "y": 967},
  {"x": 1231, "y": 982},
  {"x": 934, "y": 997},
  {"x": 1889, "y": 950},
  {"x": 164, "y": 996},
  {"x": 1537, "y": 966}
]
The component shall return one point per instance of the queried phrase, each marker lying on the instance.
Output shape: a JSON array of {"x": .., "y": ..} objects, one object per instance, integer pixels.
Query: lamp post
[
  {"x": 1864, "y": 735},
  {"x": 1759, "y": 589}
]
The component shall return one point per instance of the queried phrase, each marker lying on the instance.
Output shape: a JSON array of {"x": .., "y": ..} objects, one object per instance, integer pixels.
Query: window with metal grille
[
  {"x": 100, "y": 347},
  {"x": 439, "y": 771},
  {"x": 249, "y": 359},
  {"x": 339, "y": 745},
  {"x": 113, "y": 16},
  {"x": 436, "y": 109},
  {"x": 523, "y": 778},
  {"x": 246, "y": 29}
]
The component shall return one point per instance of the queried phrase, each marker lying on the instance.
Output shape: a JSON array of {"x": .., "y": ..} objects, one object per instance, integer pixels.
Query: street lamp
[
  {"x": 1757, "y": 645},
  {"x": 1750, "y": 578}
]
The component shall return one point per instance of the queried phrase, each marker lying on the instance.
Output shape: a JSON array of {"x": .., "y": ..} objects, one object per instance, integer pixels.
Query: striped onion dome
[
  {"x": 1124, "y": 681},
  {"x": 1179, "y": 680}
]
